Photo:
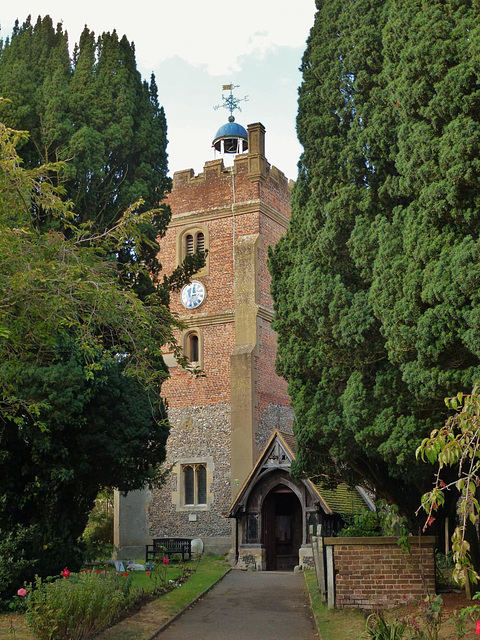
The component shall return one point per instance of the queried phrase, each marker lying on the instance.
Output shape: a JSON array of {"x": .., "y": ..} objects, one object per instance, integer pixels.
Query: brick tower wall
[{"x": 247, "y": 206}]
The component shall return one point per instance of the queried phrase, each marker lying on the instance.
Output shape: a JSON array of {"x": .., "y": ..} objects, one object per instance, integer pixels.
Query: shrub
[
  {"x": 78, "y": 607},
  {"x": 15, "y": 564}
]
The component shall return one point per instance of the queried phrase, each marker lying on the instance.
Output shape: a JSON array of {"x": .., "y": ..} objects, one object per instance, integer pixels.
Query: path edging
[{"x": 311, "y": 606}]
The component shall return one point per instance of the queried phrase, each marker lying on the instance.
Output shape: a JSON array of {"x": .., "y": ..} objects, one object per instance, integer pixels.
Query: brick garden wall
[{"x": 375, "y": 572}]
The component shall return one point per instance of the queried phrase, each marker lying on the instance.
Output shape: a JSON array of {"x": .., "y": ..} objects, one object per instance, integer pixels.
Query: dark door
[
  {"x": 282, "y": 528},
  {"x": 268, "y": 523}
]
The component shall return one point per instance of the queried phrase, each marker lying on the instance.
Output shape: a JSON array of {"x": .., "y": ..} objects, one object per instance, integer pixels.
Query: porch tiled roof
[{"x": 341, "y": 499}]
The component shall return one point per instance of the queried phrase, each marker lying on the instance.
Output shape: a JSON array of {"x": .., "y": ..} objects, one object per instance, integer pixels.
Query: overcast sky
[{"x": 194, "y": 48}]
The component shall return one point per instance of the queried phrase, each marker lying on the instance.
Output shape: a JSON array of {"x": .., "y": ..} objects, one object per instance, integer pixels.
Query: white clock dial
[{"x": 193, "y": 294}]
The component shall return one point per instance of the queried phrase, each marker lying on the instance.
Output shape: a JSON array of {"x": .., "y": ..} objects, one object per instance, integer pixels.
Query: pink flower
[
  {"x": 166, "y": 561},
  {"x": 22, "y": 593},
  {"x": 477, "y": 630},
  {"x": 65, "y": 573}
]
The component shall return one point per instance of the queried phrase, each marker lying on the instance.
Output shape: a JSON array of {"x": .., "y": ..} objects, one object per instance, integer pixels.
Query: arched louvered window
[{"x": 192, "y": 240}]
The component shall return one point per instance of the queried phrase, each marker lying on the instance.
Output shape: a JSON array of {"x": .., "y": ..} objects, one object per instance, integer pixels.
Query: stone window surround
[
  {"x": 187, "y": 347},
  {"x": 179, "y": 492},
  {"x": 193, "y": 229}
]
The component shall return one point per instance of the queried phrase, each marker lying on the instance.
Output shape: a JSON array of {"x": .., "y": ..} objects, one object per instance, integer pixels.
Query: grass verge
[{"x": 333, "y": 624}]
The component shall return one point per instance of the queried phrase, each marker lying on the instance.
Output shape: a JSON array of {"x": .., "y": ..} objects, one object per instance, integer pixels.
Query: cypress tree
[
  {"x": 95, "y": 112},
  {"x": 374, "y": 284}
]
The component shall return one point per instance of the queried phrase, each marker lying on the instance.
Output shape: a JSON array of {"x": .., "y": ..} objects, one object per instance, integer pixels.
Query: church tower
[{"x": 222, "y": 419}]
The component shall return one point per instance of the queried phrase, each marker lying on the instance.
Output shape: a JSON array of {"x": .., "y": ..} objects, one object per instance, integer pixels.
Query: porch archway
[{"x": 281, "y": 528}]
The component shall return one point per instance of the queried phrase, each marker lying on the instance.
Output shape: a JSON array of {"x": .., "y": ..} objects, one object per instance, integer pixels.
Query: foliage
[
  {"x": 96, "y": 112},
  {"x": 83, "y": 315},
  {"x": 378, "y": 629},
  {"x": 375, "y": 284},
  {"x": 426, "y": 627},
  {"x": 99, "y": 529},
  {"x": 80, "y": 365},
  {"x": 361, "y": 525},
  {"x": 78, "y": 607},
  {"x": 457, "y": 444},
  {"x": 470, "y": 613},
  {"x": 384, "y": 521},
  {"x": 444, "y": 570},
  {"x": 15, "y": 565}
]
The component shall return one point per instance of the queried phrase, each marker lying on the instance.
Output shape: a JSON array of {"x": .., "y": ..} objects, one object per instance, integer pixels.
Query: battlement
[{"x": 251, "y": 178}]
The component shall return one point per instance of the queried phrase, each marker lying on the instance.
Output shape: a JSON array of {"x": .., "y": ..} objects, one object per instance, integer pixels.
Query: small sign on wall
[{"x": 192, "y": 517}]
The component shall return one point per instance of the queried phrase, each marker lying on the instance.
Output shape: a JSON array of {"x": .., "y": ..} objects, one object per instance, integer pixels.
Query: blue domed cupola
[{"x": 231, "y": 138}]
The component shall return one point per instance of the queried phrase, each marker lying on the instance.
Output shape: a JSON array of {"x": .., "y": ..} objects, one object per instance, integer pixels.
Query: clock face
[{"x": 193, "y": 294}]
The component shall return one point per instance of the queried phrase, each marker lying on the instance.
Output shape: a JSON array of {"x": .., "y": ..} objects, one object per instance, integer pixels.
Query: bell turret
[{"x": 231, "y": 138}]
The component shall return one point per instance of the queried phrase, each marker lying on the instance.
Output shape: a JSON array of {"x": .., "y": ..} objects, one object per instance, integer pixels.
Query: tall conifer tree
[
  {"x": 376, "y": 282},
  {"x": 71, "y": 421},
  {"x": 95, "y": 112}
]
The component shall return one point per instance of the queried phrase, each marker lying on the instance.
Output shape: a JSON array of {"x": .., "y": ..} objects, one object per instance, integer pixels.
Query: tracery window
[{"x": 194, "y": 484}]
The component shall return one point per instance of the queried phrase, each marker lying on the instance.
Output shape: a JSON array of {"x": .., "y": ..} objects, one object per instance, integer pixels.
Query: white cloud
[{"x": 212, "y": 33}]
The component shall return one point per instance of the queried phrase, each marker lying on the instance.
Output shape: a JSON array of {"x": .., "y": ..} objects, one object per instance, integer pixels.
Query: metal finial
[{"x": 230, "y": 102}]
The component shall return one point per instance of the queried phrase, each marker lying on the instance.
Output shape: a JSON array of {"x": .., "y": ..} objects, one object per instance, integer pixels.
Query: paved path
[{"x": 249, "y": 605}]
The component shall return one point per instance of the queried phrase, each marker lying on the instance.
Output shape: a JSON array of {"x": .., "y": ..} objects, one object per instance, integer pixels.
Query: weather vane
[{"x": 230, "y": 102}]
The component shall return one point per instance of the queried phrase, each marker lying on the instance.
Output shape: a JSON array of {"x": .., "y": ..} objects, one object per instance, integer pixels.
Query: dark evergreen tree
[
  {"x": 96, "y": 113},
  {"x": 374, "y": 284},
  {"x": 70, "y": 421},
  {"x": 80, "y": 373}
]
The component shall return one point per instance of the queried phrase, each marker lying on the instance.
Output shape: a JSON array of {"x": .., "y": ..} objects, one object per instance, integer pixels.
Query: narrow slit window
[
  {"x": 200, "y": 242},
  {"x": 194, "y": 348}
]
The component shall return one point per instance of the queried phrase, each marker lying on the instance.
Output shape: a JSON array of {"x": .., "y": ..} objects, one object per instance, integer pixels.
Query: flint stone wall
[{"x": 199, "y": 433}]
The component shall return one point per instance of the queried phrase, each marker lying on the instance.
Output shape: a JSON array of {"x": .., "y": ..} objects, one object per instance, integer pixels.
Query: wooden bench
[{"x": 168, "y": 547}]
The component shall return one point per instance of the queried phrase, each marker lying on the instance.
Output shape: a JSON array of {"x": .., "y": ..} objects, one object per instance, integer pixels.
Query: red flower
[
  {"x": 166, "y": 561},
  {"x": 99, "y": 571},
  {"x": 477, "y": 630},
  {"x": 147, "y": 572},
  {"x": 125, "y": 573},
  {"x": 65, "y": 573}
]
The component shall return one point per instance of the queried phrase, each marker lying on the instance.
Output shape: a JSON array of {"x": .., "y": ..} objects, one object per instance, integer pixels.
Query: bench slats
[{"x": 168, "y": 547}]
